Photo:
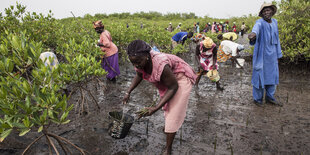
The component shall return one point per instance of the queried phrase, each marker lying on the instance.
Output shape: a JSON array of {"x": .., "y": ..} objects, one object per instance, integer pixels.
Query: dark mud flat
[{"x": 216, "y": 123}]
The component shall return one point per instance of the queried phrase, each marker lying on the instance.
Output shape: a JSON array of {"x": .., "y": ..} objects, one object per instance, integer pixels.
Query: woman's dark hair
[
  {"x": 190, "y": 34},
  {"x": 138, "y": 48},
  {"x": 220, "y": 37}
]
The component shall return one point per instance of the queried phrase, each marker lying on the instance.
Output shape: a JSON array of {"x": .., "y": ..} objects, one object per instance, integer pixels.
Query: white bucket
[{"x": 241, "y": 62}]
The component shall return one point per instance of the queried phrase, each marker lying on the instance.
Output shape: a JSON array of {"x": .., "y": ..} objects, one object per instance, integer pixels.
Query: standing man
[{"x": 266, "y": 53}]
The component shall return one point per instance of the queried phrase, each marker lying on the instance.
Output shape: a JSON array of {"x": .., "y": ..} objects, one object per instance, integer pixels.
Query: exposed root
[
  {"x": 67, "y": 141},
  {"x": 51, "y": 144},
  {"x": 27, "y": 148}
]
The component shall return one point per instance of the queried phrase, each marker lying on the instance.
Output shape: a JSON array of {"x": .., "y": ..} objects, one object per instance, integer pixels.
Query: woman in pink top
[
  {"x": 171, "y": 75},
  {"x": 110, "y": 58}
]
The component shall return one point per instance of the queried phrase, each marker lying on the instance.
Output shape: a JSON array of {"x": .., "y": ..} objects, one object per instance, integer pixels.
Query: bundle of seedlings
[{"x": 142, "y": 112}]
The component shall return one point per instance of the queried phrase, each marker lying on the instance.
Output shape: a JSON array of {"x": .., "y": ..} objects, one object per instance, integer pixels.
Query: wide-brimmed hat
[
  {"x": 208, "y": 42},
  {"x": 267, "y": 5}
]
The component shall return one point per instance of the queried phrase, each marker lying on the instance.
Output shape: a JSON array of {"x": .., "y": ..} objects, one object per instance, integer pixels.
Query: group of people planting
[{"x": 174, "y": 78}]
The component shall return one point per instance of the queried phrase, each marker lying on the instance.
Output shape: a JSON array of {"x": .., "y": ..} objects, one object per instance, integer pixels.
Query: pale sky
[{"x": 211, "y": 8}]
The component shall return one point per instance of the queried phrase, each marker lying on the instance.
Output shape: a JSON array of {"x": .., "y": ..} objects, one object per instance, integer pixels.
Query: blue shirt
[
  {"x": 266, "y": 53},
  {"x": 180, "y": 36}
]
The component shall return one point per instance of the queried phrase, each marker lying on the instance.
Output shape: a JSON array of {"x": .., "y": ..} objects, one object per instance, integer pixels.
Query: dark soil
[{"x": 226, "y": 122}]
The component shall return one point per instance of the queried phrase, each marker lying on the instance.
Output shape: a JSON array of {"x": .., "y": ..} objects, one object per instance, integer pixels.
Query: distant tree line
[{"x": 148, "y": 15}]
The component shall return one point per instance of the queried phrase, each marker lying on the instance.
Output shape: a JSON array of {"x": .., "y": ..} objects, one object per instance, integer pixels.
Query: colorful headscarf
[
  {"x": 208, "y": 42},
  {"x": 98, "y": 24}
]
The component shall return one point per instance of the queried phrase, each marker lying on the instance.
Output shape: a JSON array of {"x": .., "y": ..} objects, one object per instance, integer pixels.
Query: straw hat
[
  {"x": 267, "y": 5},
  {"x": 208, "y": 42}
]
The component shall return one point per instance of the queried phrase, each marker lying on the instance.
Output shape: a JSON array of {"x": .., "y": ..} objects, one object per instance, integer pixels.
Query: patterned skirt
[{"x": 222, "y": 56}]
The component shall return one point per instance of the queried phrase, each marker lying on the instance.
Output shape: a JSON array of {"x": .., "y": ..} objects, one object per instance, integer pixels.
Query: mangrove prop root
[
  {"x": 27, "y": 148},
  {"x": 52, "y": 143},
  {"x": 92, "y": 97},
  {"x": 67, "y": 141},
  {"x": 82, "y": 104},
  {"x": 49, "y": 145},
  {"x": 63, "y": 146}
]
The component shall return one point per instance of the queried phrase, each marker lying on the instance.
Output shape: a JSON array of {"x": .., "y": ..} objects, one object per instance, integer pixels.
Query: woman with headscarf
[
  {"x": 110, "y": 58},
  {"x": 173, "y": 78},
  {"x": 206, "y": 56}
]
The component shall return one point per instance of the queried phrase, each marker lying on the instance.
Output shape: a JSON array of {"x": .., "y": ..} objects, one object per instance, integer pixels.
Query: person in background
[
  {"x": 206, "y": 56},
  {"x": 110, "y": 58},
  {"x": 173, "y": 78},
  {"x": 232, "y": 36},
  {"x": 227, "y": 50},
  {"x": 197, "y": 28},
  {"x": 217, "y": 27},
  {"x": 127, "y": 25},
  {"x": 170, "y": 29},
  {"x": 220, "y": 25},
  {"x": 180, "y": 37},
  {"x": 206, "y": 29},
  {"x": 209, "y": 28},
  {"x": 179, "y": 27},
  {"x": 227, "y": 26},
  {"x": 141, "y": 25},
  {"x": 234, "y": 27},
  {"x": 267, "y": 51},
  {"x": 224, "y": 27},
  {"x": 213, "y": 27},
  {"x": 242, "y": 29}
]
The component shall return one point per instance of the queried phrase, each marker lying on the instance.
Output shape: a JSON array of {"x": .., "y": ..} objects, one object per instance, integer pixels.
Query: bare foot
[
  {"x": 167, "y": 152},
  {"x": 220, "y": 88}
]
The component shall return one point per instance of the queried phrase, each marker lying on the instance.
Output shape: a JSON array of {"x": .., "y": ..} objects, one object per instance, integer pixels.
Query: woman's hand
[
  {"x": 126, "y": 98},
  {"x": 150, "y": 111}
]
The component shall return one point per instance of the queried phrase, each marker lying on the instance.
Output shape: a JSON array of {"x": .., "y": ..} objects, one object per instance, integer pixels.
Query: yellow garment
[
  {"x": 227, "y": 36},
  {"x": 213, "y": 75}
]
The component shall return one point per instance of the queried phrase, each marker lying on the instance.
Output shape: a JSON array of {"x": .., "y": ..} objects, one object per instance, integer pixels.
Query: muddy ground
[{"x": 216, "y": 123}]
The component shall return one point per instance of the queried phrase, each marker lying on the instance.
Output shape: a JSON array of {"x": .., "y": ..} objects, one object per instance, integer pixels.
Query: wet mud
[{"x": 217, "y": 122}]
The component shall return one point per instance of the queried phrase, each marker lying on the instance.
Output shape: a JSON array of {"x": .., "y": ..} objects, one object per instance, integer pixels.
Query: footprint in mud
[{"x": 140, "y": 146}]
